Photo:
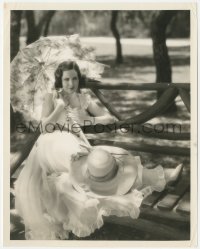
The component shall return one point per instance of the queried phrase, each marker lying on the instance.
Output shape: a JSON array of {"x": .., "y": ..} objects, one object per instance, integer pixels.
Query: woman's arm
[
  {"x": 49, "y": 114},
  {"x": 100, "y": 115}
]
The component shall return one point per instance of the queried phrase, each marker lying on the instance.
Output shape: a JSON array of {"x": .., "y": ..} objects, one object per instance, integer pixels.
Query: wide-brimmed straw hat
[{"x": 105, "y": 171}]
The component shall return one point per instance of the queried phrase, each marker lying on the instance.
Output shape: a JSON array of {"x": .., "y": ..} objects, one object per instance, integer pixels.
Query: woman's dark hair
[{"x": 65, "y": 66}]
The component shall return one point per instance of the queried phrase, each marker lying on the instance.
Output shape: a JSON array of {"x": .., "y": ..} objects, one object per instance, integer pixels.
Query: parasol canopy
[{"x": 33, "y": 68}]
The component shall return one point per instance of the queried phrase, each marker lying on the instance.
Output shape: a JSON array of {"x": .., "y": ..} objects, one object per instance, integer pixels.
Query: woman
[
  {"x": 70, "y": 101},
  {"x": 50, "y": 205}
]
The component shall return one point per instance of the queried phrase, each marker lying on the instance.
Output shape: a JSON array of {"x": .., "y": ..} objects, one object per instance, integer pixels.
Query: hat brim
[{"x": 119, "y": 185}]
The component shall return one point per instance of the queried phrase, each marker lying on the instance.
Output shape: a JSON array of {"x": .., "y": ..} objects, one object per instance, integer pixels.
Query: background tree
[
  {"x": 159, "y": 24},
  {"x": 14, "y": 45},
  {"x": 113, "y": 26},
  {"x": 41, "y": 28},
  {"x": 49, "y": 16},
  {"x": 15, "y": 32}
]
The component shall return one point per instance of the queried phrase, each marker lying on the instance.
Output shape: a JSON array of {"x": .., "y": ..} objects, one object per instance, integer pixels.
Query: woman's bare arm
[
  {"x": 49, "y": 114},
  {"x": 101, "y": 116}
]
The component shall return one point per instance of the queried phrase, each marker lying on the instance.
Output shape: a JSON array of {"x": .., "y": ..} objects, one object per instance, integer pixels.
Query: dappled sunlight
[
  {"x": 141, "y": 69},
  {"x": 116, "y": 49}
]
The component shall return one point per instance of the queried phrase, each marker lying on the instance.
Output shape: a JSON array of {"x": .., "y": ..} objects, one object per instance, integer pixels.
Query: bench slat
[
  {"x": 168, "y": 202},
  {"x": 174, "y": 195},
  {"x": 168, "y": 232},
  {"x": 152, "y": 199},
  {"x": 163, "y": 216},
  {"x": 184, "y": 204}
]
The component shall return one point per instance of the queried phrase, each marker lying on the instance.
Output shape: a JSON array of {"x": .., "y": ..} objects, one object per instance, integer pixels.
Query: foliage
[
  {"x": 180, "y": 25},
  {"x": 96, "y": 23}
]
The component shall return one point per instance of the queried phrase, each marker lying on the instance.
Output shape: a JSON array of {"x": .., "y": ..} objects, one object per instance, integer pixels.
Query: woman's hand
[
  {"x": 60, "y": 104},
  {"x": 105, "y": 120},
  {"x": 110, "y": 120},
  {"x": 78, "y": 117}
]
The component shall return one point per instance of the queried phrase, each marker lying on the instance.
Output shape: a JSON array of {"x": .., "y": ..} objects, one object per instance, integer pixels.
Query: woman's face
[{"x": 70, "y": 81}]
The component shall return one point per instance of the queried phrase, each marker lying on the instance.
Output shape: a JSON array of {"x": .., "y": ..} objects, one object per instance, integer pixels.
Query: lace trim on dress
[
  {"x": 147, "y": 191},
  {"x": 56, "y": 207},
  {"x": 84, "y": 218},
  {"x": 127, "y": 205}
]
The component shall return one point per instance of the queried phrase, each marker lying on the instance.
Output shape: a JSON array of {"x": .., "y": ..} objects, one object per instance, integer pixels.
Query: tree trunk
[
  {"x": 14, "y": 46},
  {"x": 12, "y": 120},
  {"x": 15, "y": 32},
  {"x": 35, "y": 31},
  {"x": 32, "y": 33},
  {"x": 113, "y": 26},
  {"x": 48, "y": 20},
  {"x": 160, "y": 51}
]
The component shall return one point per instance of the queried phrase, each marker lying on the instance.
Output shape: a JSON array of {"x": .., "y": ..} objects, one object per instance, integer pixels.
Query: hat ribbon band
[{"x": 105, "y": 178}]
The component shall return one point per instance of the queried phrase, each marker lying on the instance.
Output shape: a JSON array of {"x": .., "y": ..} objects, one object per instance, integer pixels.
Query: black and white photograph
[{"x": 100, "y": 124}]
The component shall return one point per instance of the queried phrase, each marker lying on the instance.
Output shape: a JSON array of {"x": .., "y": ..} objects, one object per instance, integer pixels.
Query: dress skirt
[{"x": 49, "y": 205}]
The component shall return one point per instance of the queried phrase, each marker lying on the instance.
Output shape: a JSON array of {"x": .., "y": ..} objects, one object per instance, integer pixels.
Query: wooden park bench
[{"x": 166, "y": 214}]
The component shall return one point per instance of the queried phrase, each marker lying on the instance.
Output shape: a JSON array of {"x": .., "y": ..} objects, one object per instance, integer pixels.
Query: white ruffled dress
[{"x": 48, "y": 204}]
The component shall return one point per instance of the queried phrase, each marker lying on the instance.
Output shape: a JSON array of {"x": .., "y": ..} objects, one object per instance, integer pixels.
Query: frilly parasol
[{"x": 32, "y": 71}]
